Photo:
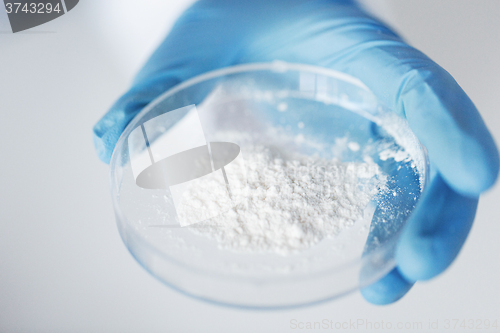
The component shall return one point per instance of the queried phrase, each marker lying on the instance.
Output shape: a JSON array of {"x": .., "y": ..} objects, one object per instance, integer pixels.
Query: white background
[{"x": 63, "y": 266}]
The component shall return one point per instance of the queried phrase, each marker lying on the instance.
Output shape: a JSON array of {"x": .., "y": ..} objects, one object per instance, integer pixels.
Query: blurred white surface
[
  {"x": 131, "y": 33},
  {"x": 63, "y": 267}
]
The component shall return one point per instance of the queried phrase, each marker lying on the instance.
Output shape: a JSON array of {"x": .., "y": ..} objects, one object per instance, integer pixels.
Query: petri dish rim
[{"x": 278, "y": 67}]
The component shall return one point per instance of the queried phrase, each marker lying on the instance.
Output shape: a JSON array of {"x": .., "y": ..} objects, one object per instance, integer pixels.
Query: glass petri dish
[{"x": 188, "y": 134}]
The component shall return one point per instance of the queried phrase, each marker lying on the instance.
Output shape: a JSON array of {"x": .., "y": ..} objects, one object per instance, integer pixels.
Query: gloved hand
[{"x": 341, "y": 36}]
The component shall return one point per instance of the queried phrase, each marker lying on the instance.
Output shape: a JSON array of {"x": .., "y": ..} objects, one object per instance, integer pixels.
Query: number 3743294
[
  {"x": 473, "y": 324},
  {"x": 31, "y": 8}
]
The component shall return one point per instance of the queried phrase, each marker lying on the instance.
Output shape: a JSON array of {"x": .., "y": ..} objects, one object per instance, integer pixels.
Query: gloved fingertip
[
  {"x": 424, "y": 257},
  {"x": 435, "y": 232},
  {"x": 388, "y": 289},
  {"x": 488, "y": 176},
  {"x": 476, "y": 173},
  {"x": 103, "y": 152},
  {"x": 420, "y": 259}
]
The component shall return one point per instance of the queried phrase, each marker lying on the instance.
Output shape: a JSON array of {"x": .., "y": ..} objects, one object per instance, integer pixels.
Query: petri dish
[{"x": 203, "y": 129}]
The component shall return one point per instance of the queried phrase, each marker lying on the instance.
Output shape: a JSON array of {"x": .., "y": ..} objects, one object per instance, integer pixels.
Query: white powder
[{"x": 284, "y": 203}]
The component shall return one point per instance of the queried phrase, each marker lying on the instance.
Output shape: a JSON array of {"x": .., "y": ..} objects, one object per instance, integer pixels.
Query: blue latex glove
[{"x": 341, "y": 36}]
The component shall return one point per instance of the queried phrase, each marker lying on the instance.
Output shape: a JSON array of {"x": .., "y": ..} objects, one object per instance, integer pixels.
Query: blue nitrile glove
[{"x": 341, "y": 36}]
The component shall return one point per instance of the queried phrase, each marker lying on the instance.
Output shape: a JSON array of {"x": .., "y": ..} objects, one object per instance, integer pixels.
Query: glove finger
[
  {"x": 435, "y": 232},
  {"x": 440, "y": 114},
  {"x": 388, "y": 289}
]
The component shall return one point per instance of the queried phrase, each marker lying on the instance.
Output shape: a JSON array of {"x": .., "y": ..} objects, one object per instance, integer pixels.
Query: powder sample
[{"x": 283, "y": 203}]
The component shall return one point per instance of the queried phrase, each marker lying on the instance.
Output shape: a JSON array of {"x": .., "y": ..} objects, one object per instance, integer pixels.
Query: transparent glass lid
[{"x": 266, "y": 185}]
